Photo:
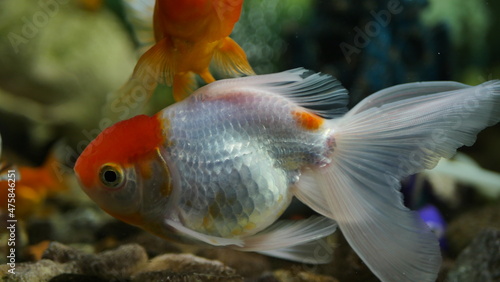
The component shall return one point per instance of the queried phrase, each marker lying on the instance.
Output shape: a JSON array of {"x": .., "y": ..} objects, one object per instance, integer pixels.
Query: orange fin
[
  {"x": 231, "y": 60},
  {"x": 155, "y": 66},
  {"x": 207, "y": 76},
  {"x": 184, "y": 84},
  {"x": 158, "y": 63}
]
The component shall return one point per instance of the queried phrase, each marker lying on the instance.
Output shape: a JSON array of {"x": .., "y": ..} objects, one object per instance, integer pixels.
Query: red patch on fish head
[{"x": 123, "y": 143}]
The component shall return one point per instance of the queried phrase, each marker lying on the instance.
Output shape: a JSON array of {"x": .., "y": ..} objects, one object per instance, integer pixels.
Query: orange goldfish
[
  {"x": 189, "y": 36},
  {"x": 32, "y": 186},
  {"x": 221, "y": 166}
]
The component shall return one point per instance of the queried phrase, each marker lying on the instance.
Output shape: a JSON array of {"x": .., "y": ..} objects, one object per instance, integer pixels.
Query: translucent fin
[
  {"x": 287, "y": 233},
  {"x": 155, "y": 66},
  {"x": 184, "y": 84},
  {"x": 158, "y": 63},
  {"x": 378, "y": 144},
  {"x": 301, "y": 240},
  {"x": 406, "y": 91},
  {"x": 314, "y": 252},
  {"x": 231, "y": 60},
  {"x": 308, "y": 192},
  {"x": 212, "y": 240},
  {"x": 321, "y": 93},
  {"x": 139, "y": 14}
]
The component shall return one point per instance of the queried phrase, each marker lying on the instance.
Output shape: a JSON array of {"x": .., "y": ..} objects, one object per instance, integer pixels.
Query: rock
[
  {"x": 179, "y": 263},
  {"x": 153, "y": 245},
  {"x": 115, "y": 264},
  {"x": 282, "y": 275},
  {"x": 480, "y": 261},
  {"x": 248, "y": 265},
  {"x": 182, "y": 277},
  {"x": 64, "y": 263},
  {"x": 61, "y": 253},
  {"x": 42, "y": 270},
  {"x": 462, "y": 230},
  {"x": 71, "y": 277}
]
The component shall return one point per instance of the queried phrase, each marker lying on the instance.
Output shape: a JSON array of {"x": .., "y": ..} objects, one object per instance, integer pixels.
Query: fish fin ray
[
  {"x": 373, "y": 149},
  {"x": 319, "y": 93},
  {"x": 314, "y": 252},
  {"x": 405, "y": 91},
  {"x": 288, "y": 233},
  {"x": 309, "y": 193},
  {"x": 157, "y": 63},
  {"x": 211, "y": 240},
  {"x": 230, "y": 59},
  {"x": 155, "y": 66}
]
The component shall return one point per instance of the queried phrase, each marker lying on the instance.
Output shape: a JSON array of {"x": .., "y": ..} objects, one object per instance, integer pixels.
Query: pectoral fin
[
  {"x": 300, "y": 240},
  {"x": 231, "y": 60},
  {"x": 211, "y": 240},
  {"x": 296, "y": 240}
]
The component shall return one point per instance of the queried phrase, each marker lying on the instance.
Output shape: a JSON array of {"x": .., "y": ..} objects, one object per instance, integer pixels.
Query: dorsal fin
[{"x": 321, "y": 93}]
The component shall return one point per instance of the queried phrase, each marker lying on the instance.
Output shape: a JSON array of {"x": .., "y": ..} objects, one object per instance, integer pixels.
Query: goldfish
[
  {"x": 32, "y": 186},
  {"x": 189, "y": 35},
  {"x": 221, "y": 166}
]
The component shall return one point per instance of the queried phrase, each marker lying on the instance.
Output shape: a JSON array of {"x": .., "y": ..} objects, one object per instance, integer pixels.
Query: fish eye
[{"x": 111, "y": 175}]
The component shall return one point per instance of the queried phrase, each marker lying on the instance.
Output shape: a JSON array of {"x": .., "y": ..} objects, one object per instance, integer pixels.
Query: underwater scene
[{"x": 257, "y": 140}]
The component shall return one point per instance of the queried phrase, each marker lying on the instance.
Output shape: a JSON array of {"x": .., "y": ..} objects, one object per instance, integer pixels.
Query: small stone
[
  {"x": 61, "y": 253},
  {"x": 42, "y": 270},
  {"x": 180, "y": 263},
  {"x": 186, "y": 267},
  {"x": 153, "y": 245},
  {"x": 283, "y": 275},
  {"x": 480, "y": 261},
  {"x": 114, "y": 264},
  {"x": 72, "y": 277},
  {"x": 183, "y": 277},
  {"x": 249, "y": 265}
]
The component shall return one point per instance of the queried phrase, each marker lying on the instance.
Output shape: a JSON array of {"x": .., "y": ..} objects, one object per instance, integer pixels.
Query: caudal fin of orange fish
[
  {"x": 155, "y": 66},
  {"x": 231, "y": 60}
]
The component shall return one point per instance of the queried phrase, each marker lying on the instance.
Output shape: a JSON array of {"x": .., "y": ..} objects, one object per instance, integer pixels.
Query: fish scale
[{"x": 251, "y": 147}]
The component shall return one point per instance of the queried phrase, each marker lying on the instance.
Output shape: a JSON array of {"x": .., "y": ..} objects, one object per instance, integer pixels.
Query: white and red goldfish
[
  {"x": 189, "y": 36},
  {"x": 221, "y": 166}
]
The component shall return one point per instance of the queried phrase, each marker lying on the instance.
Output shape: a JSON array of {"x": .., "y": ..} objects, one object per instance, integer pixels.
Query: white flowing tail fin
[{"x": 391, "y": 134}]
